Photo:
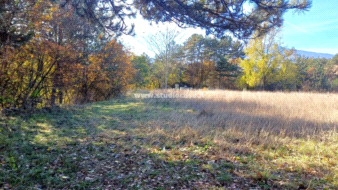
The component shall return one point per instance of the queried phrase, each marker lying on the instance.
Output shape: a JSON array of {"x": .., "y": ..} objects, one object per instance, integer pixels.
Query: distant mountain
[{"x": 314, "y": 54}]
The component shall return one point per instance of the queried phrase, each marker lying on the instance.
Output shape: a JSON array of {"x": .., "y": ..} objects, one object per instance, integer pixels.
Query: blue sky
[{"x": 314, "y": 30}]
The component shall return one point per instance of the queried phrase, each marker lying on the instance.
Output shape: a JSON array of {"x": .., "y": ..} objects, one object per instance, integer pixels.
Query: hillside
[{"x": 314, "y": 54}]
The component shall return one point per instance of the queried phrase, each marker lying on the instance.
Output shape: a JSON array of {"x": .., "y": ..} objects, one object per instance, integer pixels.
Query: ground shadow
[{"x": 106, "y": 145}]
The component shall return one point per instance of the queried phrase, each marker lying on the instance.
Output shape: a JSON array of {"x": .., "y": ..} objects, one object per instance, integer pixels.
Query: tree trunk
[{"x": 53, "y": 97}]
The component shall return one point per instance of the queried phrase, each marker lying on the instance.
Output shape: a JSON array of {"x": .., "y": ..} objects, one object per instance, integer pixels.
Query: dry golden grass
[
  {"x": 292, "y": 132},
  {"x": 291, "y": 114},
  {"x": 225, "y": 140}
]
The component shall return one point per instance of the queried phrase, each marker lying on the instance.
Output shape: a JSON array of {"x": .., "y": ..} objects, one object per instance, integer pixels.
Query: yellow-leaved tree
[{"x": 268, "y": 66}]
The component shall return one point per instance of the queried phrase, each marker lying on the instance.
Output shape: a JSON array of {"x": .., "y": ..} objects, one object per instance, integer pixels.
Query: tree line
[
  {"x": 55, "y": 52},
  {"x": 262, "y": 64}
]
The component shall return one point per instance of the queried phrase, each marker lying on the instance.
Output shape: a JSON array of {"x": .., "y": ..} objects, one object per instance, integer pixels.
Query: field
[{"x": 219, "y": 140}]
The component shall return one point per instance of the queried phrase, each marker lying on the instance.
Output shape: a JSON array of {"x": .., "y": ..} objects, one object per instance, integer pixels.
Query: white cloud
[
  {"x": 320, "y": 25},
  {"x": 143, "y": 28},
  {"x": 298, "y": 28}
]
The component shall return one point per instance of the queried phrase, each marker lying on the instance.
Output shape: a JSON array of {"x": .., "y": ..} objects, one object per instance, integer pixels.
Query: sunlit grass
[
  {"x": 269, "y": 140},
  {"x": 290, "y": 132}
]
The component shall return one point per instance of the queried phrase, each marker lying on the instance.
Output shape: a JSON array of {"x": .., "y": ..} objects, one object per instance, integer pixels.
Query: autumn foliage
[
  {"x": 107, "y": 75},
  {"x": 66, "y": 60}
]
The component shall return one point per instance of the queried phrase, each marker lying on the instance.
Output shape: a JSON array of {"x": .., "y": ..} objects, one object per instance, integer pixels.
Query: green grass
[{"x": 138, "y": 144}]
